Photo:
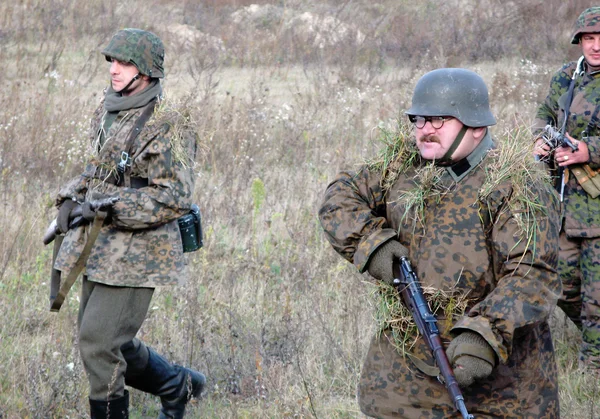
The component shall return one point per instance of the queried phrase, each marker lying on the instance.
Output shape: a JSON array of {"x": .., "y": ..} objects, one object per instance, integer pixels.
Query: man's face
[
  {"x": 590, "y": 46},
  {"x": 433, "y": 143},
  {"x": 121, "y": 74}
]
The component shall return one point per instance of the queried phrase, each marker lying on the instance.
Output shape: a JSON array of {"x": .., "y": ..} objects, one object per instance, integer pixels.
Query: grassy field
[{"x": 285, "y": 94}]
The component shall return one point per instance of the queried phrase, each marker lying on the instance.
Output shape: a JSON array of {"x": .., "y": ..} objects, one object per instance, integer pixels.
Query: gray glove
[
  {"x": 89, "y": 213},
  {"x": 64, "y": 215},
  {"x": 471, "y": 357},
  {"x": 380, "y": 265}
]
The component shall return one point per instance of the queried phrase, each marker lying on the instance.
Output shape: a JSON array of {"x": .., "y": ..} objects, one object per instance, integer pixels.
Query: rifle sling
[
  {"x": 125, "y": 179},
  {"x": 563, "y": 172},
  {"x": 65, "y": 286},
  {"x": 424, "y": 367},
  {"x": 55, "y": 273}
]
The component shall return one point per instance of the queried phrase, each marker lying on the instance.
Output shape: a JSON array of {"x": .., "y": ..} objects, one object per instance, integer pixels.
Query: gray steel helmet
[
  {"x": 141, "y": 48},
  {"x": 453, "y": 92},
  {"x": 587, "y": 22}
]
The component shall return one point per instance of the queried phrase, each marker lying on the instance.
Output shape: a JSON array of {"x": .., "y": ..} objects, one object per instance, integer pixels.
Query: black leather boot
[
  {"x": 111, "y": 409},
  {"x": 149, "y": 372}
]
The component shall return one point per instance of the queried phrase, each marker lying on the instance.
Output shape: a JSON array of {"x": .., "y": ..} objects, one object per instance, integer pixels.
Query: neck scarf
[{"x": 115, "y": 102}]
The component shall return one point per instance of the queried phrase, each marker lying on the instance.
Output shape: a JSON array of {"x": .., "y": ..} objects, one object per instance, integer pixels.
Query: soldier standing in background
[
  {"x": 573, "y": 106},
  {"x": 143, "y": 155},
  {"x": 492, "y": 248}
]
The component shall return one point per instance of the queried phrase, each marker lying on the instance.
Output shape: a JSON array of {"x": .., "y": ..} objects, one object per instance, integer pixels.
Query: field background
[{"x": 285, "y": 94}]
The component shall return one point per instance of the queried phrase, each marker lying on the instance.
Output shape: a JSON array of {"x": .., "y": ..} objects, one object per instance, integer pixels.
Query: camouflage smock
[
  {"x": 141, "y": 247},
  {"x": 512, "y": 289},
  {"x": 581, "y": 212}
]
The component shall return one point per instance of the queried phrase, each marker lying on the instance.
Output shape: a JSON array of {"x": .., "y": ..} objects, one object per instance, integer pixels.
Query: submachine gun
[
  {"x": 76, "y": 219},
  {"x": 555, "y": 139},
  {"x": 408, "y": 287}
]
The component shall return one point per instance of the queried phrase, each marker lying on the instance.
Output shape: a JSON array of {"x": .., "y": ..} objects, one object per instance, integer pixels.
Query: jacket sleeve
[
  {"x": 548, "y": 111},
  {"x": 527, "y": 285},
  {"x": 74, "y": 189},
  {"x": 170, "y": 183},
  {"x": 353, "y": 216}
]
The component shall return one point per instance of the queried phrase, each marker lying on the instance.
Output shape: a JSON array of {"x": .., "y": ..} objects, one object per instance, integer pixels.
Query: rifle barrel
[{"x": 412, "y": 294}]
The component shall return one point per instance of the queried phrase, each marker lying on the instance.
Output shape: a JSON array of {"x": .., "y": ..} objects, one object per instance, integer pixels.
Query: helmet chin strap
[
  {"x": 137, "y": 76},
  {"x": 447, "y": 158}
]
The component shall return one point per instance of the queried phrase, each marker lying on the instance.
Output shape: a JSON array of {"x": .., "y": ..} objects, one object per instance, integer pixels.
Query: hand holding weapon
[{"x": 77, "y": 218}]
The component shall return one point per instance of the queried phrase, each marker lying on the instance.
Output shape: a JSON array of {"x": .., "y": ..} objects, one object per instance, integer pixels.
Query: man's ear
[{"x": 479, "y": 133}]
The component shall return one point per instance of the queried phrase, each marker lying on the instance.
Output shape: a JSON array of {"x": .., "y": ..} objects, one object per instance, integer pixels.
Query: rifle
[
  {"x": 408, "y": 287},
  {"x": 76, "y": 219}
]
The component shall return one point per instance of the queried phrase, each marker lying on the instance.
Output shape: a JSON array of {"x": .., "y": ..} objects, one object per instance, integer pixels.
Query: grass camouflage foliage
[{"x": 283, "y": 95}]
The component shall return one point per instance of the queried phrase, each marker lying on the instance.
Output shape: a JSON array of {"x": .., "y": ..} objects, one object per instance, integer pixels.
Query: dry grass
[{"x": 277, "y": 321}]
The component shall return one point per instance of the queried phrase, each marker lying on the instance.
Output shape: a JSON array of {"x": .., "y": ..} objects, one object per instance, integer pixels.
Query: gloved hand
[
  {"x": 380, "y": 265},
  {"x": 87, "y": 212},
  {"x": 64, "y": 215},
  {"x": 471, "y": 358}
]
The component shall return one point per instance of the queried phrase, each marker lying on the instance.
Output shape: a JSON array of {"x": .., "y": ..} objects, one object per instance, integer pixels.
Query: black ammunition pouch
[{"x": 190, "y": 228}]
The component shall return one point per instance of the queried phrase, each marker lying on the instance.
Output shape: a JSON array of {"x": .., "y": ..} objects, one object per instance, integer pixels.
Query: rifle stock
[{"x": 408, "y": 287}]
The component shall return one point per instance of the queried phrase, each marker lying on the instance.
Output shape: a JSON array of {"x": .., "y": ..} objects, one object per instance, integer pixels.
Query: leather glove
[
  {"x": 471, "y": 357},
  {"x": 86, "y": 209},
  {"x": 87, "y": 212},
  {"x": 64, "y": 215},
  {"x": 380, "y": 265}
]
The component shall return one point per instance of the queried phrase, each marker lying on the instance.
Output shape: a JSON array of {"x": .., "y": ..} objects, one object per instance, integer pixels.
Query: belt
[
  {"x": 139, "y": 182},
  {"x": 114, "y": 179}
]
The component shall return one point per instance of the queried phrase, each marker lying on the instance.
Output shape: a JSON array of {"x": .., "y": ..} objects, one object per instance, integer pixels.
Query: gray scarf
[{"x": 115, "y": 102}]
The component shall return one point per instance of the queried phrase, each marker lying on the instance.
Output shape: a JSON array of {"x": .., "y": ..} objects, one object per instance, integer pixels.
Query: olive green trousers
[{"x": 109, "y": 316}]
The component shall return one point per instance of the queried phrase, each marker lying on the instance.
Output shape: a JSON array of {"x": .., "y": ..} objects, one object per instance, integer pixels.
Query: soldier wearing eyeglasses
[{"x": 479, "y": 224}]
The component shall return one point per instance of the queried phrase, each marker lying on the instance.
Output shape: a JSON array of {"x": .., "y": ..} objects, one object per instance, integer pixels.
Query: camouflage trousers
[{"x": 579, "y": 269}]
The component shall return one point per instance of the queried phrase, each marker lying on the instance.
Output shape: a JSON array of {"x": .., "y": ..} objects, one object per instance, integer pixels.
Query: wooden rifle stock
[{"x": 408, "y": 287}]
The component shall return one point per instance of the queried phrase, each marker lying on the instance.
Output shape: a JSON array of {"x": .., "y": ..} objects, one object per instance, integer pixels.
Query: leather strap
[
  {"x": 124, "y": 179},
  {"x": 55, "y": 273},
  {"x": 424, "y": 367},
  {"x": 138, "y": 182},
  {"x": 57, "y": 301}
]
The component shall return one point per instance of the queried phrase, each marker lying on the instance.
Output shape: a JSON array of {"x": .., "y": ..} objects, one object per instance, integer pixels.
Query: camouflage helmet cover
[
  {"x": 141, "y": 48},
  {"x": 587, "y": 22},
  {"x": 456, "y": 92}
]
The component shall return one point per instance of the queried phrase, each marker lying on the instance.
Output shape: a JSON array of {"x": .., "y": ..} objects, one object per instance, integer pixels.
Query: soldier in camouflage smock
[
  {"x": 579, "y": 262},
  {"x": 463, "y": 238},
  {"x": 143, "y": 155}
]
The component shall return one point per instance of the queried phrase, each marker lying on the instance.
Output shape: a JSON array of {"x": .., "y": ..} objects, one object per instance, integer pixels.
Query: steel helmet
[
  {"x": 141, "y": 48},
  {"x": 587, "y": 22},
  {"x": 453, "y": 92}
]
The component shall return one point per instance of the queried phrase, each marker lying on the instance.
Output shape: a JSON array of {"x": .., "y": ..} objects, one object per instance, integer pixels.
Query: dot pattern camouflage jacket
[
  {"x": 511, "y": 283},
  {"x": 140, "y": 246}
]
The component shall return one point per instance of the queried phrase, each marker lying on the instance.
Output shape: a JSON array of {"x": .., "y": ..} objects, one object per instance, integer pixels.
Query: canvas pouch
[{"x": 588, "y": 179}]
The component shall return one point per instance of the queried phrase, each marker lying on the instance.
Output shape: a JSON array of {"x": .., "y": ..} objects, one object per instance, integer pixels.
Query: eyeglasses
[{"x": 436, "y": 121}]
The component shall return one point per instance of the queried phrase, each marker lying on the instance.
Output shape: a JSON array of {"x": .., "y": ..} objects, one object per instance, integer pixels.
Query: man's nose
[
  {"x": 114, "y": 67},
  {"x": 428, "y": 128}
]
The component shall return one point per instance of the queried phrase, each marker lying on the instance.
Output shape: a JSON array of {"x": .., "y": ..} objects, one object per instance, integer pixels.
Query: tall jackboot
[
  {"x": 110, "y": 409},
  {"x": 149, "y": 372}
]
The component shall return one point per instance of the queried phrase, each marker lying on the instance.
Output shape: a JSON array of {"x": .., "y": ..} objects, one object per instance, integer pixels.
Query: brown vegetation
[{"x": 285, "y": 93}]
